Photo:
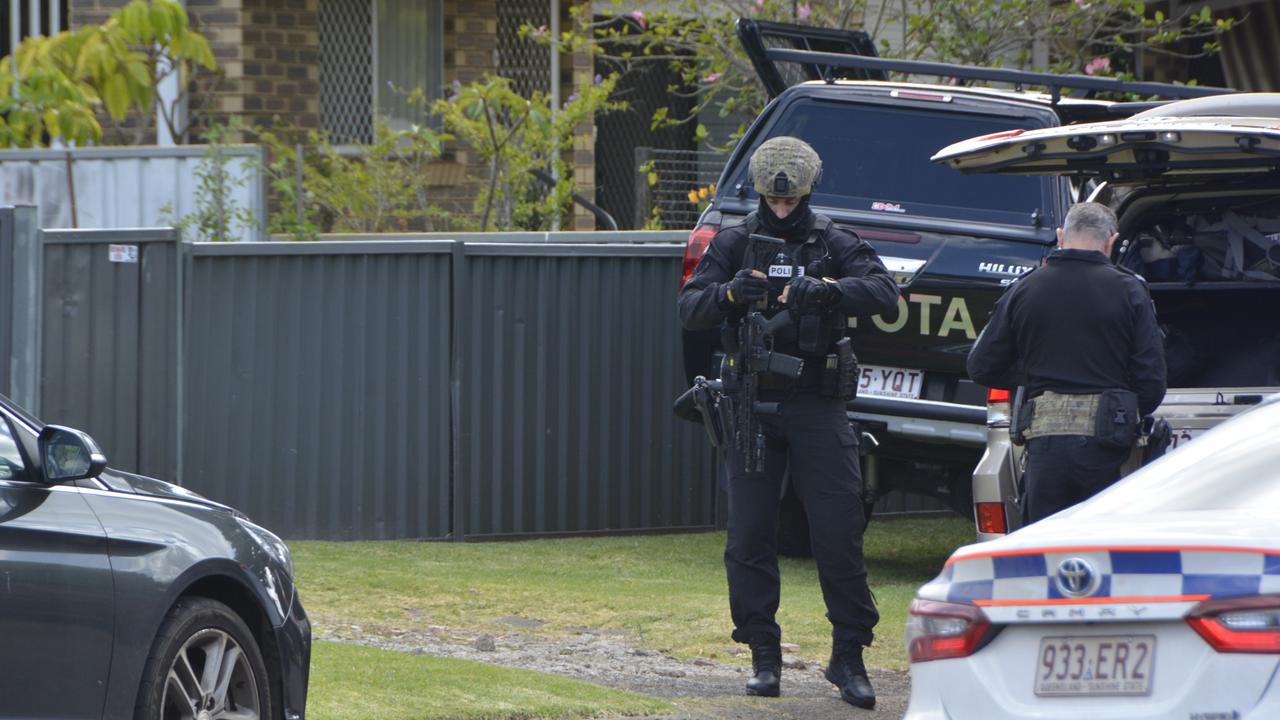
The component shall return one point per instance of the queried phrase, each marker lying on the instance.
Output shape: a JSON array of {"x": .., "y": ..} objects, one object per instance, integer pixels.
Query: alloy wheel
[{"x": 210, "y": 679}]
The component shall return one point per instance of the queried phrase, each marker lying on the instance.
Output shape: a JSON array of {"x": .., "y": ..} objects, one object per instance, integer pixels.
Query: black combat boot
[
  {"x": 766, "y": 667},
  {"x": 846, "y": 671}
]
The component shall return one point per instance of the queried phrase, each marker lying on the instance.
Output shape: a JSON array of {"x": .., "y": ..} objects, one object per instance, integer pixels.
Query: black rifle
[{"x": 730, "y": 404}]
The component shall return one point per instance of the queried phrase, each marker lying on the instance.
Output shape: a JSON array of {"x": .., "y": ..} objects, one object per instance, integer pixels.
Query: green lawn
[
  {"x": 349, "y": 682},
  {"x": 668, "y": 590}
]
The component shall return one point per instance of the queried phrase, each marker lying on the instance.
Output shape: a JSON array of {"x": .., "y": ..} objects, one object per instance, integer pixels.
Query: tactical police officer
[
  {"x": 822, "y": 276},
  {"x": 1080, "y": 334}
]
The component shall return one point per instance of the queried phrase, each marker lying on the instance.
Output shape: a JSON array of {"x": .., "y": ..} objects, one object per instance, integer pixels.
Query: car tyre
[{"x": 205, "y": 664}]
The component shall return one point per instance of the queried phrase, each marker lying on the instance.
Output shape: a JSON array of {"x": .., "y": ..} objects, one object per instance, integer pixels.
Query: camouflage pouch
[{"x": 1059, "y": 414}]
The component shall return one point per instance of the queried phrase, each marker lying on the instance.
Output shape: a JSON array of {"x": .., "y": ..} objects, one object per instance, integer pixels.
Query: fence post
[
  {"x": 643, "y": 155},
  {"x": 458, "y": 361},
  {"x": 24, "y": 336}
]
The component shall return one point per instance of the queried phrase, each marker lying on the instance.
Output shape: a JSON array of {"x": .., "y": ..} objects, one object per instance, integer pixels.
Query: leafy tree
[
  {"x": 217, "y": 216},
  {"x": 381, "y": 187},
  {"x": 1076, "y": 36},
  {"x": 51, "y": 87},
  {"x": 519, "y": 137},
  {"x": 697, "y": 40}
]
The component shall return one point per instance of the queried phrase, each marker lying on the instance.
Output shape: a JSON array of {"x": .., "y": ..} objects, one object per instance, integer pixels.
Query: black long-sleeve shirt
[
  {"x": 1078, "y": 324},
  {"x": 865, "y": 287}
]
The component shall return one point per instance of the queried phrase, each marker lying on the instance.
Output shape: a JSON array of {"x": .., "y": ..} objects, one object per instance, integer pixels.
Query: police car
[
  {"x": 1158, "y": 598},
  {"x": 1196, "y": 187},
  {"x": 953, "y": 242}
]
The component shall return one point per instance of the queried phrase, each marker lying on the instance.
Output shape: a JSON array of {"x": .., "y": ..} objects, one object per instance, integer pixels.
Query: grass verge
[
  {"x": 350, "y": 682},
  {"x": 668, "y": 591}
]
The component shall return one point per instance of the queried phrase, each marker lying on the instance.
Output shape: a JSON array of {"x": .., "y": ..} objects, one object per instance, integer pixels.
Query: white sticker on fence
[{"x": 123, "y": 253}]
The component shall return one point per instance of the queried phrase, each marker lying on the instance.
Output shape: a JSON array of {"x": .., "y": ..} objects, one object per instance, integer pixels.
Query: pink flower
[
  {"x": 1100, "y": 64},
  {"x": 1082, "y": 3},
  {"x": 639, "y": 18},
  {"x": 803, "y": 12},
  {"x": 711, "y": 77}
]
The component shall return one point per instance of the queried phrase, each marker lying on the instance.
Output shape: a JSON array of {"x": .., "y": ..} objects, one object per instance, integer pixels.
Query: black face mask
[{"x": 795, "y": 226}]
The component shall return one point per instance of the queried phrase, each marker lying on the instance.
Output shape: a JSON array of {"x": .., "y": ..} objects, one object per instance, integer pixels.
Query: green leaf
[{"x": 115, "y": 94}]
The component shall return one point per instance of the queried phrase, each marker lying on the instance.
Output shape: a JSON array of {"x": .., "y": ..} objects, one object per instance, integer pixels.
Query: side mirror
[{"x": 68, "y": 454}]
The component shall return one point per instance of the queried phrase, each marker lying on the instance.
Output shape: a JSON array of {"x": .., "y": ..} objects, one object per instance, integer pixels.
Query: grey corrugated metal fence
[
  {"x": 20, "y": 276},
  {"x": 366, "y": 389},
  {"x": 318, "y": 386},
  {"x": 437, "y": 388},
  {"x": 567, "y": 360},
  {"x": 110, "y": 302}
]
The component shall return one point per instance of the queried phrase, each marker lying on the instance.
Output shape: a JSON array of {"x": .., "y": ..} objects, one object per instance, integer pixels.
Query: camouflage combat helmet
[{"x": 785, "y": 167}]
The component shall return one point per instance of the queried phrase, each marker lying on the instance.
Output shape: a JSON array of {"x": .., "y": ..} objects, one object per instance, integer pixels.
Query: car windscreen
[
  {"x": 1236, "y": 466},
  {"x": 876, "y": 158}
]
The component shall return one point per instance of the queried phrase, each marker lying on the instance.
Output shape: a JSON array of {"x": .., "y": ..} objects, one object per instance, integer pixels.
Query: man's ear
[
  {"x": 1111, "y": 241},
  {"x": 1060, "y": 237}
]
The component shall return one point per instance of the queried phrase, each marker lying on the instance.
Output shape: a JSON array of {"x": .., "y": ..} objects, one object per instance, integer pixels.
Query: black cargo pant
[
  {"x": 810, "y": 436},
  {"x": 1063, "y": 470}
]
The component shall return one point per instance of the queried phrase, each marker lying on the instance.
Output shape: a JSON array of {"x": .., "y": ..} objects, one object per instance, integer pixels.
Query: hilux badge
[{"x": 1076, "y": 577}]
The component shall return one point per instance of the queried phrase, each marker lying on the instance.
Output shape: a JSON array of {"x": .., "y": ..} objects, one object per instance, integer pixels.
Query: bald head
[{"x": 1089, "y": 226}]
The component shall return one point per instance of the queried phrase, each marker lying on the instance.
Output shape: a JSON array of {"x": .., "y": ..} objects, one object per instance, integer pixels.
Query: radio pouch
[
  {"x": 1116, "y": 424},
  {"x": 840, "y": 374}
]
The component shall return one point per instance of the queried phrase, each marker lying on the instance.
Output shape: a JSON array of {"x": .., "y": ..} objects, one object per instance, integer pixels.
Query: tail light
[
  {"x": 940, "y": 630},
  {"x": 997, "y": 408},
  {"x": 1241, "y": 625},
  {"x": 698, "y": 241},
  {"x": 990, "y": 518}
]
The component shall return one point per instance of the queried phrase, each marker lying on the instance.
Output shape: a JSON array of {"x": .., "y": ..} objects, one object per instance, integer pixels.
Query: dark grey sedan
[{"x": 127, "y": 597}]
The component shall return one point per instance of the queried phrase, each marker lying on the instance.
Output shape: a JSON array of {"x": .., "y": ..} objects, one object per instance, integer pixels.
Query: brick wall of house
[
  {"x": 280, "y": 69},
  {"x": 470, "y": 51},
  {"x": 269, "y": 52}
]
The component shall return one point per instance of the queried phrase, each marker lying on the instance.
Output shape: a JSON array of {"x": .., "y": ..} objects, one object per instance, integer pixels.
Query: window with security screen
[
  {"x": 20, "y": 20},
  {"x": 373, "y": 53}
]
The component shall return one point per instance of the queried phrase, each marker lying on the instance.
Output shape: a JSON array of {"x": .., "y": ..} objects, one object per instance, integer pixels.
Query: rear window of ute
[{"x": 877, "y": 159}]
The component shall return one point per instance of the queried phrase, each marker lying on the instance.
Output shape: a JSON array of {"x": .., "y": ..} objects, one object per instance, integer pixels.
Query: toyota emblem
[{"x": 1076, "y": 577}]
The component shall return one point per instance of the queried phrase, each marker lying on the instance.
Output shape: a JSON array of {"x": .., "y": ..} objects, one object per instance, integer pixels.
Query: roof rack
[
  {"x": 822, "y": 65},
  {"x": 753, "y": 34}
]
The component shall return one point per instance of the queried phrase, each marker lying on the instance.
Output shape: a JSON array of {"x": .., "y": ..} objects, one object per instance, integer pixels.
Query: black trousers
[
  {"x": 810, "y": 436},
  {"x": 1063, "y": 470}
]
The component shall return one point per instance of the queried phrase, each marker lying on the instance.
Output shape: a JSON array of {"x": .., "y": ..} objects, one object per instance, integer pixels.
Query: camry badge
[{"x": 1076, "y": 577}]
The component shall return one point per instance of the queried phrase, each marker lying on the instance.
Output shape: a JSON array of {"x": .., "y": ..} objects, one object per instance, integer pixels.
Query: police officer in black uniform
[
  {"x": 1075, "y": 332},
  {"x": 824, "y": 275}
]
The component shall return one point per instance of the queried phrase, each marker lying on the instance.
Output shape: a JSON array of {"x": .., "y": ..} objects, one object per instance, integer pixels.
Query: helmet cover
[{"x": 785, "y": 167}]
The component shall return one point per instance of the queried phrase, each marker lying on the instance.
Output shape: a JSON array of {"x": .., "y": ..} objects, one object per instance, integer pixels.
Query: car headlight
[{"x": 273, "y": 545}]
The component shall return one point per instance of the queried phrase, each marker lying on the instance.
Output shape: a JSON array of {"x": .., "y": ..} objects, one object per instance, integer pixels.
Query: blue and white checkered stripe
[{"x": 1122, "y": 574}]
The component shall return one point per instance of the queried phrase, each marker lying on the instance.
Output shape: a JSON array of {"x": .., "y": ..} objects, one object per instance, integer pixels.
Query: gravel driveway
[{"x": 701, "y": 689}]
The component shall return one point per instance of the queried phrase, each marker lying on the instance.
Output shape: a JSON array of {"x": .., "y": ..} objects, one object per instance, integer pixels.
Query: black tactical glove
[
  {"x": 810, "y": 293},
  {"x": 745, "y": 288}
]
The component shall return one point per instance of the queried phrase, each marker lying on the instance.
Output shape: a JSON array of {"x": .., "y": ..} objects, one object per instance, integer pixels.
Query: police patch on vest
[{"x": 785, "y": 271}]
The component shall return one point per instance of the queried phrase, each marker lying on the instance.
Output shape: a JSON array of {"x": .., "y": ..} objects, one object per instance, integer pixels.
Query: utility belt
[
  {"x": 1110, "y": 416},
  {"x": 835, "y": 376}
]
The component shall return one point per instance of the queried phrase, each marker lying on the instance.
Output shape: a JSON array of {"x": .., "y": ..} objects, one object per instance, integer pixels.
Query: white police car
[{"x": 1158, "y": 598}]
